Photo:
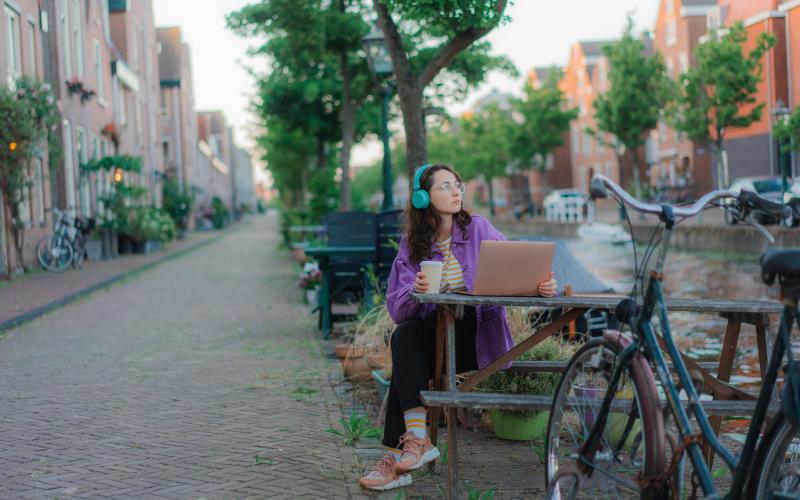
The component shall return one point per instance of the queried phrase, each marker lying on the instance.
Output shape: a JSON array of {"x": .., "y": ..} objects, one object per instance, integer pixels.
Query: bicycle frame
[{"x": 645, "y": 341}]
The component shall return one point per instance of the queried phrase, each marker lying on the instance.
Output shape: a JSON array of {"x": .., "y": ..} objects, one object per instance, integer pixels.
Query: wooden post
[
  {"x": 724, "y": 372},
  {"x": 571, "y": 329}
]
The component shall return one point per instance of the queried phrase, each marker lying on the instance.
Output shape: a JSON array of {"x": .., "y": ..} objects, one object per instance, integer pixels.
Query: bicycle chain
[{"x": 665, "y": 477}]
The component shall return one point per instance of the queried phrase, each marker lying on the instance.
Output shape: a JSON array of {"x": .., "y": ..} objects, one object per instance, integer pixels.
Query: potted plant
[
  {"x": 310, "y": 280},
  {"x": 94, "y": 245},
  {"x": 525, "y": 425}
]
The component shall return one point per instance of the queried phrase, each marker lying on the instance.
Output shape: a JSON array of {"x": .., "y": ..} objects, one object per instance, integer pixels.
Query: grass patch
[
  {"x": 355, "y": 428},
  {"x": 303, "y": 393},
  {"x": 263, "y": 461}
]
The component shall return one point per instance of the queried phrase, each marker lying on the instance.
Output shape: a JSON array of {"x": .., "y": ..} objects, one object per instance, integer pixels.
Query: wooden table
[
  {"x": 323, "y": 256},
  {"x": 447, "y": 395}
]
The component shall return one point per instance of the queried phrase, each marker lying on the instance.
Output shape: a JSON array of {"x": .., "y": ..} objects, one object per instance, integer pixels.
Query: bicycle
[
  {"x": 607, "y": 434},
  {"x": 65, "y": 246}
]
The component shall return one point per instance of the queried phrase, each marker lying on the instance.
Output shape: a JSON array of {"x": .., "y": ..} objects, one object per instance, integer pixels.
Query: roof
[{"x": 593, "y": 48}]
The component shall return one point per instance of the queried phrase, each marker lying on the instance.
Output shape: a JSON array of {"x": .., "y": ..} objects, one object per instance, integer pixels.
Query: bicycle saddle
[{"x": 783, "y": 262}]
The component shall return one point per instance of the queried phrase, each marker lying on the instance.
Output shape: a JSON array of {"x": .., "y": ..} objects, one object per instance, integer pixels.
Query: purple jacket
[{"x": 493, "y": 338}]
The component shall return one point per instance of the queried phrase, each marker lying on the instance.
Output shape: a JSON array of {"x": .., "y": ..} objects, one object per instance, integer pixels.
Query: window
[
  {"x": 166, "y": 151},
  {"x": 669, "y": 65},
  {"x": 99, "y": 80},
  {"x": 669, "y": 6},
  {"x": 65, "y": 39},
  {"x": 123, "y": 106},
  {"x": 32, "y": 49},
  {"x": 671, "y": 33},
  {"x": 38, "y": 172},
  {"x": 77, "y": 36},
  {"x": 601, "y": 144},
  {"x": 83, "y": 158},
  {"x": 138, "y": 110},
  {"x": 575, "y": 139},
  {"x": 587, "y": 143},
  {"x": 684, "y": 61},
  {"x": 24, "y": 206},
  {"x": 165, "y": 101},
  {"x": 69, "y": 167},
  {"x": 13, "y": 49}
]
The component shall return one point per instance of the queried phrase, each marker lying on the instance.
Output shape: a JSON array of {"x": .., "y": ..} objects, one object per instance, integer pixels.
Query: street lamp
[
  {"x": 380, "y": 63},
  {"x": 781, "y": 112}
]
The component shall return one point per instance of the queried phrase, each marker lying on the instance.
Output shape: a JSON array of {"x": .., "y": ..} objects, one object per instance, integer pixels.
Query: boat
[{"x": 601, "y": 232}]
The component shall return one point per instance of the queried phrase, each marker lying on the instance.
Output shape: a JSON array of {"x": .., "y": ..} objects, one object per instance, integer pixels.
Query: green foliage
[
  {"x": 177, "y": 202},
  {"x": 219, "y": 213},
  {"x": 27, "y": 118},
  {"x": 788, "y": 131},
  {"x": 545, "y": 120},
  {"x": 111, "y": 163},
  {"x": 148, "y": 223},
  {"x": 292, "y": 217},
  {"x": 543, "y": 384},
  {"x": 355, "y": 428},
  {"x": 639, "y": 89},
  {"x": 475, "y": 494},
  {"x": 718, "y": 93}
]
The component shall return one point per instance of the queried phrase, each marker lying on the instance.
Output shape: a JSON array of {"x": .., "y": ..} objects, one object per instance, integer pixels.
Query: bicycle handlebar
[
  {"x": 752, "y": 201},
  {"x": 601, "y": 185}
]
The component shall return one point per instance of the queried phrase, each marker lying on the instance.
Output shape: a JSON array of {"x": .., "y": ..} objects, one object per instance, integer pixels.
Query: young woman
[{"x": 439, "y": 229}]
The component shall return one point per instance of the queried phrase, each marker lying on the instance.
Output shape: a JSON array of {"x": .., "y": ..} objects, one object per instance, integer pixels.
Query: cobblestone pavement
[{"x": 200, "y": 378}]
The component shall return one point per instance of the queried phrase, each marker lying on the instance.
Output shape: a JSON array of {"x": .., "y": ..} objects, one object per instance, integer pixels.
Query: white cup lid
[{"x": 431, "y": 263}]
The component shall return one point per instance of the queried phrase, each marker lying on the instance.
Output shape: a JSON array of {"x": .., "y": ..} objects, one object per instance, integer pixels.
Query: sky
[{"x": 540, "y": 33}]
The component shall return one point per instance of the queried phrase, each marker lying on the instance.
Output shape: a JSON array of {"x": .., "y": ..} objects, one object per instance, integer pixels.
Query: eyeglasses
[{"x": 448, "y": 187}]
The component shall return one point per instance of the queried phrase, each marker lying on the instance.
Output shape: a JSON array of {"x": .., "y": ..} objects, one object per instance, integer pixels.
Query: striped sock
[
  {"x": 395, "y": 452},
  {"x": 415, "y": 422}
]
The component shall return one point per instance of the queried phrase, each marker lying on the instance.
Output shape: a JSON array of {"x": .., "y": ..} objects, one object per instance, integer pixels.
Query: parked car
[
  {"x": 792, "y": 198},
  {"x": 769, "y": 187}
]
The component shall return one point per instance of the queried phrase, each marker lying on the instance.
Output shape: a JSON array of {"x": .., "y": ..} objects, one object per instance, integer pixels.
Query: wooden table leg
[
  {"x": 325, "y": 300},
  {"x": 438, "y": 375},
  {"x": 762, "y": 326},
  {"x": 452, "y": 456},
  {"x": 726, "y": 359}
]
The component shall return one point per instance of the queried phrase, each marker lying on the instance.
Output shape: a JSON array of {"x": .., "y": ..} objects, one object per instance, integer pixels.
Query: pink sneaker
[
  {"x": 383, "y": 477},
  {"x": 416, "y": 453}
]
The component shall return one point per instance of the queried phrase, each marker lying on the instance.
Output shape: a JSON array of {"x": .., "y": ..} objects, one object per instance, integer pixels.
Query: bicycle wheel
[
  {"x": 632, "y": 443},
  {"x": 79, "y": 252},
  {"x": 54, "y": 254},
  {"x": 778, "y": 456}
]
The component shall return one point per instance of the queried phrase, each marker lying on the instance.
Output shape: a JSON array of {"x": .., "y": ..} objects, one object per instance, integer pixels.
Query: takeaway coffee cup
[{"x": 433, "y": 273}]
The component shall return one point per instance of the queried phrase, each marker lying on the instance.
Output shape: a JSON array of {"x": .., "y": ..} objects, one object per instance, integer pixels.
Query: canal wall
[{"x": 702, "y": 237}]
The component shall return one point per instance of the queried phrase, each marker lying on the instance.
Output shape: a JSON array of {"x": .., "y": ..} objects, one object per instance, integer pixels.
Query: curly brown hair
[{"x": 423, "y": 224}]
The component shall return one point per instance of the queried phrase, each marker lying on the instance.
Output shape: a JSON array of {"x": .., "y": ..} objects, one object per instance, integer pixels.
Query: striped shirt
[{"x": 452, "y": 275}]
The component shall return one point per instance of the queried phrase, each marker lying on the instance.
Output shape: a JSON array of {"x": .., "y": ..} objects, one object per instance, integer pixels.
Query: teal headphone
[{"x": 420, "y": 199}]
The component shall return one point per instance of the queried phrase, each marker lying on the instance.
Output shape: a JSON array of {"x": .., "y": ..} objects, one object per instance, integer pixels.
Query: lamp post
[
  {"x": 781, "y": 112},
  {"x": 380, "y": 63}
]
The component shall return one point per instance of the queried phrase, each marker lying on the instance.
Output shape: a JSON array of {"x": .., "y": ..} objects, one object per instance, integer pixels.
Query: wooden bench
[{"x": 729, "y": 400}]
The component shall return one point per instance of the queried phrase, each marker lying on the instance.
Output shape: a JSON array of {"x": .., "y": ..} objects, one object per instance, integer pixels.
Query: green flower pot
[{"x": 515, "y": 427}]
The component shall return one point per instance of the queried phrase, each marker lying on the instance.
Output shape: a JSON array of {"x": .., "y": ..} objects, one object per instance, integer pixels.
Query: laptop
[{"x": 512, "y": 268}]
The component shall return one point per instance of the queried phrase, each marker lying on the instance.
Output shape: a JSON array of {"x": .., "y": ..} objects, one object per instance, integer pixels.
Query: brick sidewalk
[
  {"x": 29, "y": 295},
  {"x": 203, "y": 377}
]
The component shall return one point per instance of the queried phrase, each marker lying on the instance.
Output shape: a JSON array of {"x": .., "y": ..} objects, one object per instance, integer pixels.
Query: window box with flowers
[
  {"x": 76, "y": 86},
  {"x": 110, "y": 132}
]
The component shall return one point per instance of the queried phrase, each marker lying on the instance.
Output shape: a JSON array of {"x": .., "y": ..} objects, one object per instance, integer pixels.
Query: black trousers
[{"x": 413, "y": 363}]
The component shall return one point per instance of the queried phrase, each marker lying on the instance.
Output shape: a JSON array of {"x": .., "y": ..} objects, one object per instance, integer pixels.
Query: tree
[
  {"x": 485, "y": 140},
  {"x": 27, "y": 116},
  {"x": 545, "y": 119},
  {"x": 436, "y": 38},
  {"x": 314, "y": 49},
  {"x": 639, "y": 90},
  {"x": 718, "y": 93}
]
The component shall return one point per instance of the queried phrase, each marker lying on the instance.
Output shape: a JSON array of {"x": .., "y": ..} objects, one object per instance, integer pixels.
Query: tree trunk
[
  {"x": 416, "y": 145},
  {"x": 491, "y": 197},
  {"x": 348, "y": 133},
  {"x": 637, "y": 179},
  {"x": 6, "y": 251},
  {"x": 620, "y": 165}
]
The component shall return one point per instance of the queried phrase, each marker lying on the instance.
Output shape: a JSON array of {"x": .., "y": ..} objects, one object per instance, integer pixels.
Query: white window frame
[
  {"x": 671, "y": 28},
  {"x": 66, "y": 40},
  {"x": 77, "y": 35},
  {"x": 99, "y": 77},
  {"x": 123, "y": 106},
  {"x": 14, "y": 46}
]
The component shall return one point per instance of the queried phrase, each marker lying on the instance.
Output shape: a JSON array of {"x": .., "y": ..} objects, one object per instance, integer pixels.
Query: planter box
[
  {"x": 146, "y": 247},
  {"x": 380, "y": 384},
  {"x": 110, "y": 244},
  {"x": 509, "y": 425},
  {"x": 94, "y": 249},
  {"x": 125, "y": 244}
]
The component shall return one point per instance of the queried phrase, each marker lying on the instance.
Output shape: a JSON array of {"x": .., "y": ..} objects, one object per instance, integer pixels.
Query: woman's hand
[
  {"x": 421, "y": 284},
  {"x": 548, "y": 288}
]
